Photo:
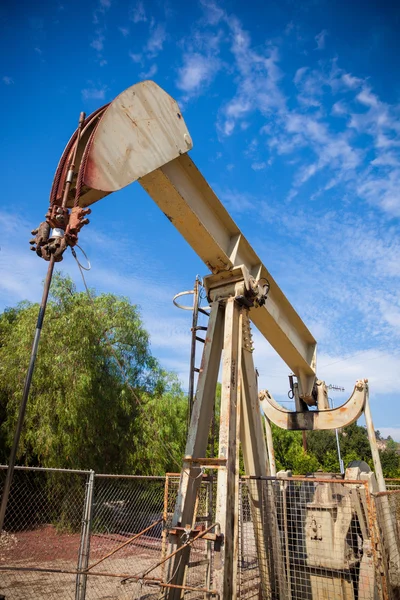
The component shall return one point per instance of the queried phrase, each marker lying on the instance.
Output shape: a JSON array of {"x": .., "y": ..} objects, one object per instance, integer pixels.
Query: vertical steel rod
[
  {"x": 39, "y": 325},
  {"x": 341, "y": 463},
  {"x": 24, "y": 401}
]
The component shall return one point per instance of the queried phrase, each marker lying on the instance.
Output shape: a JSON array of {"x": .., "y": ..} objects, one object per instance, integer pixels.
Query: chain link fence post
[{"x": 84, "y": 548}]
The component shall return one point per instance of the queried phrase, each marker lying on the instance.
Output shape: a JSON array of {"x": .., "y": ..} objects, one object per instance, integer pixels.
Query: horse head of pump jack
[{"x": 141, "y": 135}]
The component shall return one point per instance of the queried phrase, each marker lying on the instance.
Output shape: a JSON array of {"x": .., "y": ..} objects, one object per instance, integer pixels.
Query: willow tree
[{"x": 98, "y": 394}]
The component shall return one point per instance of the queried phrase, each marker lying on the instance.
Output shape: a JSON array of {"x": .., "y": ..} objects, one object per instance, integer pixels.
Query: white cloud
[
  {"x": 197, "y": 72},
  {"x": 367, "y": 97},
  {"x": 300, "y": 74},
  {"x": 98, "y": 42},
  {"x": 320, "y": 39},
  {"x": 124, "y": 31},
  {"x": 137, "y": 58},
  {"x": 259, "y": 166},
  {"x": 138, "y": 13},
  {"x": 7, "y": 80},
  {"x": 101, "y": 9},
  {"x": 94, "y": 92},
  {"x": 212, "y": 11},
  {"x": 155, "y": 43},
  {"x": 258, "y": 79},
  {"x": 150, "y": 73},
  {"x": 350, "y": 81},
  {"x": 236, "y": 202}
]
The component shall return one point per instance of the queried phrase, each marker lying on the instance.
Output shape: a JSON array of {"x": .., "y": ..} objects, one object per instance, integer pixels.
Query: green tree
[
  {"x": 390, "y": 462},
  {"x": 81, "y": 411}
]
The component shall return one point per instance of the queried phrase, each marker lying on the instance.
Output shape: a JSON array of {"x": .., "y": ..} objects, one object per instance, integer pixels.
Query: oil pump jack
[{"x": 142, "y": 136}]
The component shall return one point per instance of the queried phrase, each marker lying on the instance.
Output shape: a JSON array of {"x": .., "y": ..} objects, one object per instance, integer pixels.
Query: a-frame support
[{"x": 228, "y": 334}]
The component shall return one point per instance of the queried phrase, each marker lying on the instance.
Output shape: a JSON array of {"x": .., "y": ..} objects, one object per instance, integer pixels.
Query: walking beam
[{"x": 141, "y": 136}]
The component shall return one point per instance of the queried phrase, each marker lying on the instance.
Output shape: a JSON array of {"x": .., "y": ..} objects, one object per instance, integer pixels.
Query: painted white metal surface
[
  {"x": 141, "y": 130},
  {"x": 185, "y": 197},
  {"x": 334, "y": 418}
]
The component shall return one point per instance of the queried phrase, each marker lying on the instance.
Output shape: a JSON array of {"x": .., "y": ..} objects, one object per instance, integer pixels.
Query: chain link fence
[
  {"x": 387, "y": 505},
  {"x": 79, "y": 535},
  {"x": 42, "y": 532}
]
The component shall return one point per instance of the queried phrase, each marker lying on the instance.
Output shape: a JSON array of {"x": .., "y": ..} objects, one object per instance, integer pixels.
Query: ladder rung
[
  {"x": 198, "y": 563},
  {"x": 199, "y": 339},
  {"x": 197, "y": 370},
  {"x": 200, "y": 328},
  {"x": 204, "y": 312},
  {"x": 204, "y": 462}
]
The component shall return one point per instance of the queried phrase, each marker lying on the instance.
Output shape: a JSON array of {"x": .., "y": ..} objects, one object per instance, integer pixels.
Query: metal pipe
[
  {"x": 31, "y": 367},
  {"x": 341, "y": 463},
  {"x": 51, "y": 469},
  {"x": 24, "y": 401},
  {"x": 118, "y": 548}
]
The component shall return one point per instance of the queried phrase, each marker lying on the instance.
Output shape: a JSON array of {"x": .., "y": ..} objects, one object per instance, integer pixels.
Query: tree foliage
[
  {"x": 322, "y": 451},
  {"x": 83, "y": 411}
]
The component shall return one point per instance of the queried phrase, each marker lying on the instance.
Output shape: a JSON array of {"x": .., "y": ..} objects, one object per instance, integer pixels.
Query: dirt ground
[{"x": 44, "y": 548}]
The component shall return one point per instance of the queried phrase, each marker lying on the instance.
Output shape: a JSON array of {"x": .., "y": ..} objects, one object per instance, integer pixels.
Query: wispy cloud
[
  {"x": 153, "y": 46},
  {"x": 7, "y": 80},
  {"x": 196, "y": 73},
  {"x": 137, "y": 58},
  {"x": 150, "y": 73},
  {"x": 98, "y": 41},
  {"x": 101, "y": 9},
  {"x": 156, "y": 40},
  {"x": 99, "y": 19},
  {"x": 94, "y": 92},
  {"x": 320, "y": 38},
  {"x": 138, "y": 14},
  {"x": 258, "y": 80}
]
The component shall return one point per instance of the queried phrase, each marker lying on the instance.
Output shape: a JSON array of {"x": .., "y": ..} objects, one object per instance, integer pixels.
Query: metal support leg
[
  {"x": 388, "y": 522},
  {"x": 225, "y": 574},
  {"x": 262, "y": 502},
  {"x": 196, "y": 446}
]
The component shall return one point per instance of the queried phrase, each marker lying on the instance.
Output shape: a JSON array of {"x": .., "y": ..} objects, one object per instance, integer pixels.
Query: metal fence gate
[{"x": 79, "y": 535}]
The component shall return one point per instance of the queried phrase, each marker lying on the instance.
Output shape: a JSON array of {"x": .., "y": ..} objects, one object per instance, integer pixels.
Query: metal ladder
[
  {"x": 193, "y": 370},
  {"x": 195, "y": 329}
]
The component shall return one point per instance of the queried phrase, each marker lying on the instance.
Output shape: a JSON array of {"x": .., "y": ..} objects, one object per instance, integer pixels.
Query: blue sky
[{"x": 293, "y": 108}]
